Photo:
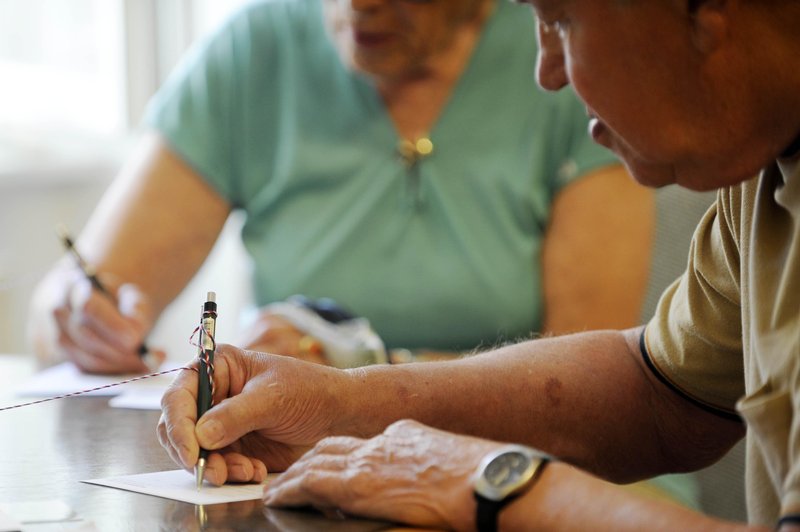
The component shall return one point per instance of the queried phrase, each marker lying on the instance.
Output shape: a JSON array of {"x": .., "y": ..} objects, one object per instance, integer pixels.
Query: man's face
[
  {"x": 635, "y": 65},
  {"x": 395, "y": 39}
]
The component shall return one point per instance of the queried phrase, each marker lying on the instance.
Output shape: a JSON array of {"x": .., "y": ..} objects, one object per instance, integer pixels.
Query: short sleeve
[
  {"x": 694, "y": 341},
  {"x": 223, "y": 107},
  {"x": 195, "y": 109}
]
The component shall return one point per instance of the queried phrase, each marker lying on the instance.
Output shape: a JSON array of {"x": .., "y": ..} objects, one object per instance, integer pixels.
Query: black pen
[
  {"x": 205, "y": 388},
  {"x": 89, "y": 272}
]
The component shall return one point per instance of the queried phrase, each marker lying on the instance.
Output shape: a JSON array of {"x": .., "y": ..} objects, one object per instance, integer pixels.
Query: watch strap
[{"x": 487, "y": 512}]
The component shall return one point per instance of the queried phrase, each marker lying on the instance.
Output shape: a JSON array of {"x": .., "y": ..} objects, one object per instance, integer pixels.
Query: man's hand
[
  {"x": 268, "y": 410},
  {"x": 423, "y": 477},
  {"x": 410, "y": 474}
]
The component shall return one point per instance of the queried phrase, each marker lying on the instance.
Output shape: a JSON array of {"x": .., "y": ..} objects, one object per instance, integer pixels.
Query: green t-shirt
[{"x": 442, "y": 255}]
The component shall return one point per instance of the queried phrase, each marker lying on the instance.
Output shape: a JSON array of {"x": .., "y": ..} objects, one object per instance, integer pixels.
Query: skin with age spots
[{"x": 552, "y": 387}]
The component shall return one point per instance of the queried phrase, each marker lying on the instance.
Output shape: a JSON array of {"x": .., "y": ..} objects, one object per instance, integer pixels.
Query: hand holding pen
[{"x": 98, "y": 323}]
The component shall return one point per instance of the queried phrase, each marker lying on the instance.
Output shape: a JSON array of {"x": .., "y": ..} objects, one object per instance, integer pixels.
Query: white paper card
[
  {"x": 139, "y": 399},
  {"x": 180, "y": 485}
]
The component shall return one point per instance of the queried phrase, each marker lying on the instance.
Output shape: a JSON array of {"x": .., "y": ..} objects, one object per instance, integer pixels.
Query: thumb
[{"x": 226, "y": 422}]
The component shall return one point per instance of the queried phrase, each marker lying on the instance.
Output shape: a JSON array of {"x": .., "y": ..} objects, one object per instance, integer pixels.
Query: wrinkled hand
[
  {"x": 100, "y": 334},
  {"x": 268, "y": 410},
  {"x": 410, "y": 474},
  {"x": 271, "y": 333}
]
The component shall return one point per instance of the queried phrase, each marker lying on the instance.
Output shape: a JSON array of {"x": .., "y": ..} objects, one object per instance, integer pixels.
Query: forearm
[
  {"x": 597, "y": 251},
  {"x": 565, "y": 498},
  {"x": 156, "y": 224},
  {"x": 585, "y": 398},
  {"x": 148, "y": 236}
]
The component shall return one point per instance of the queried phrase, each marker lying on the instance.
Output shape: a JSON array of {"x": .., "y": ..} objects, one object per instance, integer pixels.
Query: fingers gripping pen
[
  {"x": 205, "y": 389},
  {"x": 90, "y": 274}
]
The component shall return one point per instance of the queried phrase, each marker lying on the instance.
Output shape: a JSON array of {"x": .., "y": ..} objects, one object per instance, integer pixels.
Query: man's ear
[{"x": 711, "y": 24}]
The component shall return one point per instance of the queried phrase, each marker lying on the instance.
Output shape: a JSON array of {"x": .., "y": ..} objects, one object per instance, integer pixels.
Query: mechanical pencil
[{"x": 205, "y": 388}]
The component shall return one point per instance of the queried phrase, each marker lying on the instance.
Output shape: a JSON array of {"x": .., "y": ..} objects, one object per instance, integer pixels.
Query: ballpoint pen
[
  {"x": 89, "y": 272},
  {"x": 205, "y": 388}
]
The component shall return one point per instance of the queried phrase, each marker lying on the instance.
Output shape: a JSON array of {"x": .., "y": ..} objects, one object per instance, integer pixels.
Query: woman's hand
[
  {"x": 73, "y": 321},
  {"x": 271, "y": 333}
]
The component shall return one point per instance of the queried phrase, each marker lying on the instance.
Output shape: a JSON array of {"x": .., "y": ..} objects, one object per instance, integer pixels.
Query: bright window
[
  {"x": 89, "y": 66},
  {"x": 61, "y": 65}
]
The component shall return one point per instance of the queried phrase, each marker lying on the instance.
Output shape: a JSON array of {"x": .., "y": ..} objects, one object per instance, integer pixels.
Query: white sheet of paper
[
  {"x": 139, "y": 399},
  {"x": 67, "y": 378},
  {"x": 8, "y": 524},
  {"x": 180, "y": 485}
]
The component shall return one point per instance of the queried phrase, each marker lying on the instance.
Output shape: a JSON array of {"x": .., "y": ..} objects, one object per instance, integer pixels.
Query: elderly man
[{"x": 699, "y": 93}]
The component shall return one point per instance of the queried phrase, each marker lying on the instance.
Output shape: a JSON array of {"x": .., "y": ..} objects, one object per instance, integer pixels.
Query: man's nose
[{"x": 551, "y": 73}]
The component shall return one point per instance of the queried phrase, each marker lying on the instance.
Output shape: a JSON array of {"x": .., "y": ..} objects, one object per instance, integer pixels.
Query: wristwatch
[{"x": 501, "y": 476}]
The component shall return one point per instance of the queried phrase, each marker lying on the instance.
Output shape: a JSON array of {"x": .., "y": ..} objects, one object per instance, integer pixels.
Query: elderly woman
[{"x": 394, "y": 156}]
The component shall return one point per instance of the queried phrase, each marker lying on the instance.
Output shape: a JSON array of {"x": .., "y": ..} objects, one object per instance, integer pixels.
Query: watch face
[{"x": 508, "y": 469}]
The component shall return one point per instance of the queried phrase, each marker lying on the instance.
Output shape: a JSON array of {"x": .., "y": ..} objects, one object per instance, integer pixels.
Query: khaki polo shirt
[{"x": 727, "y": 333}]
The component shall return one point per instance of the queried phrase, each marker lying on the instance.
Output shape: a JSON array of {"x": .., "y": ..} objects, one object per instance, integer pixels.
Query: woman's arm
[
  {"x": 149, "y": 234},
  {"x": 597, "y": 252}
]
